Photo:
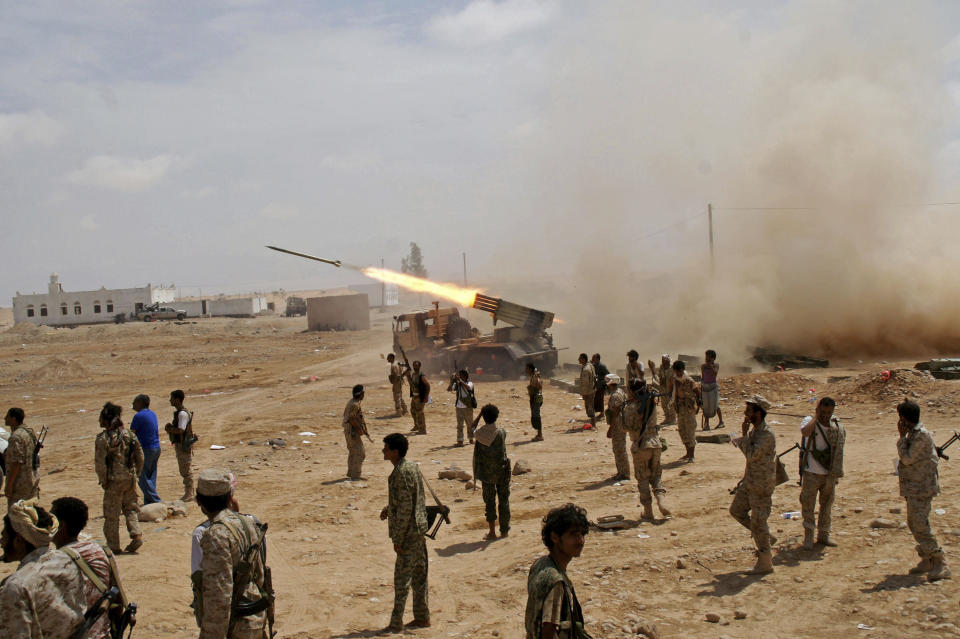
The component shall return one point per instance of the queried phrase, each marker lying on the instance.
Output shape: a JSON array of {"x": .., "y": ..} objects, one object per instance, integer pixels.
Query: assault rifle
[
  {"x": 36, "y": 449},
  {"x": 406, "y": 362},
  {"x": 111, "y": 597},
  {"x": 940, "y": 449},
  {"x": 782, "y": 476}
]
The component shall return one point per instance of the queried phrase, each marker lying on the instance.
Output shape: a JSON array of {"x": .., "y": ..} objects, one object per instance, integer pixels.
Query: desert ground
[{"x": 251, "y": 380}]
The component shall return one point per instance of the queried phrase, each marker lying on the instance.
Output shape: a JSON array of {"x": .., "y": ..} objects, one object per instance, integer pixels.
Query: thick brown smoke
[{"x": 831, "y": 117}]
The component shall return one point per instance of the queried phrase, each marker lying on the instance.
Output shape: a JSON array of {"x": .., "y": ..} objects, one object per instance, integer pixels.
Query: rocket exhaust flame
[{"x": 462, "y": 296}]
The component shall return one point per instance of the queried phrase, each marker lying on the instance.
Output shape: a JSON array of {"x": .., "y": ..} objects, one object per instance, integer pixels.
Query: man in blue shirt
[{"x": 145, "y": 426}]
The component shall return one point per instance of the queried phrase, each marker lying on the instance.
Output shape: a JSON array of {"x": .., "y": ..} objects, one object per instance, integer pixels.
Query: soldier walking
[
  {"x": 664, "y": 378},
  {"x": 491, "y": 467},
  {"x": 354, "y": 428},
  {"x": 535, "y": 391},
  {"x": 685, "y": 403},
  {"x": 406, "y": 515},
  {"x": 821, "y": 467},
  {"x": 419, "y": 393},
  {"x": 919, "y": 484},
  {"x": 22, "y": 480},
  {"x": 553, "y": 611},
  {"x": 615, "y": 430},
  {"x": 601, "y": 371},
  {"x": 640, "y": 421},
  {"x": 119, "y": 460},
  {"x": 396, "y": 384},
  {"x": 587, "y": 386},
  {"x": 754, "y": 497},
  {"x": 181, "y": 434},
  {"x": 237, "y": 596}
]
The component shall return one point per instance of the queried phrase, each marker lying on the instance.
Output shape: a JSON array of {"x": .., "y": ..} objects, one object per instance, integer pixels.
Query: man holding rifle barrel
[{"x": 821, "y": 467}]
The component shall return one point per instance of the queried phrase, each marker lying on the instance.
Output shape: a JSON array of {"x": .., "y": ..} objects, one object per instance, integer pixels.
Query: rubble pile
[
  {"x": 887, "y": 385},
  {"x": 776, "y": 387}
]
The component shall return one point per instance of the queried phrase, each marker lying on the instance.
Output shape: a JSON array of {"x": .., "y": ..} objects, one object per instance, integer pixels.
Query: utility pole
[
  {"x": 710, "y": 224},
  {"x": 464, "y": 270},
  {"x": 383, "y": 291}
]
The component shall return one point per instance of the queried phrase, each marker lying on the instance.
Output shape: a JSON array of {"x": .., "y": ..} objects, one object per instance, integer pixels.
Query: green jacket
[
  {"x": 544, "y": 575},
  {"x": 490, "y": 462},
  {"x": 406, "y": 510}
]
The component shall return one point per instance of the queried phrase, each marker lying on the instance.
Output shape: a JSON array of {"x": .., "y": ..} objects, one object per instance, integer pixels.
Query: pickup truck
[{"x": 151, "y": 313}]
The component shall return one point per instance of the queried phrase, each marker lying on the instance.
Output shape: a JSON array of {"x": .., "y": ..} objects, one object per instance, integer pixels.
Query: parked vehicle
[{"x": 157, "y": 312}]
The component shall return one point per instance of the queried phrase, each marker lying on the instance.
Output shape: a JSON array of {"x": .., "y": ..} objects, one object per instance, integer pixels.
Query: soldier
[
  {"x": 419, "y": 394},
  {"x": 821, "y": 467},
  {"x": 233, "y": 559},
  {"x": 634, "y": 368},
  {"x": 615, "y": 431},
  {"x": 49, "y": 597},
  {"x": 491, "y": 468},
  {"x": 27, "y": 532},
  {"x": 406, "y": 515},
  {"x": 640, "y": 421},
  {"x": 119, "y": 460},
  {"x": 587, "y": 386},
  {"x": 396, "y": 383},
  {"x": 553, "y": 611},
  {"x": 919, "y": 484},
  {"x": 181, "y": 434},
  {"x": 354, "y": 428},
  {"x": 709, "y": 391},
  {"x": 664, "y": 379},
  {"x": 600, "y": 371},
  {"x": 466, "y": 402},
  {"x": 754, "y": 496},
  {"x": 535, "y": 391},
  {"x": 685, "y": 397},
  {"x": 22, "y": 481}
]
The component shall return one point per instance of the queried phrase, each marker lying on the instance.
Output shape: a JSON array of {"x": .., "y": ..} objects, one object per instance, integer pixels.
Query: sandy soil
[{"x": 251, "y": 380}]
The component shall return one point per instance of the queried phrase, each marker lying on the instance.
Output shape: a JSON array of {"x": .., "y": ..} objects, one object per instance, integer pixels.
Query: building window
[
  {"x": 76, "y": 308},
  {"x": 63, "y": 309},
  {"x": 30, "y": 311},
  {"x": 96, "y": 306},
  {"x": 109, "y": 306},
  {"x": 43, "y": 310}
]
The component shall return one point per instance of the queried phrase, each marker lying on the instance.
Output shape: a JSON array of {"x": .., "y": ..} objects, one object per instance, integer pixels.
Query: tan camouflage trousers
[
  {"x": 814, "y": 484},
  {"x": 419, "y": 419},
  {"x": 355, "y": 456},
  {"x": 398, "y": 402},
  {"x": 410, "y": 569},
  {"x": 918, "y": 520},
  {"x": 647, "y": 470},
  {"x": 184, "y": 461},
  {"x": 752, "y": 510},
  {"x": 588, "y": 407},
  {"x": 117, "y": 498},
  {"x": 619, "y": 441},
  {"x": 687, "y": 426},
  {"x": 669, "y": 414},
  {"x": 464, "y": 418}
]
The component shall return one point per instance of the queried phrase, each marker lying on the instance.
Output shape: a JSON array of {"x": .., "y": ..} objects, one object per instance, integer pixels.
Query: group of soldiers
[{"x": 74, "y": 590}]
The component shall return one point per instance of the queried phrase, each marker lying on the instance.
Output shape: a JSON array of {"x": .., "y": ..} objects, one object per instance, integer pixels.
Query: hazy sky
[{"x": 169, "y": 141}]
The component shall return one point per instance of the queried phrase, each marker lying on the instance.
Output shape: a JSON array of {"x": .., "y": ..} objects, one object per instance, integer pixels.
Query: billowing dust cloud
[{"x": 832, "y": 118}]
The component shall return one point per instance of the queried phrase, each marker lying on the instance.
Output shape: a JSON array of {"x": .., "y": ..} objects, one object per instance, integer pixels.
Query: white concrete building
[
  {"x": 223, "y": 306},
  {"x": 57, "y": 307}
]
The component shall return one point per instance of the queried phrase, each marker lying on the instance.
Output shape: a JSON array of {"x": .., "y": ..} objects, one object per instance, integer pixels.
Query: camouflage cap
[
  {"x": 214, "y": 482},
  {"x": 761, "y": 401}
]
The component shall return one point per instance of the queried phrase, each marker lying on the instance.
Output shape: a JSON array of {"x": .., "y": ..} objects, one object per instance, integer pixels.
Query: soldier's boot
[
  {"x": 647, "y": 511},
  {"x": 807, "y": 539},
  {"x": 925, "y": 565},
  {"x": 764, "y": 564},
  {"x": 940, "y": 569},
  {"x": 689, "y": 455},
  {"x": 188, "y": 494},
  {"x": 662, "y": 505},
  {"x": 824, "y": 539}
]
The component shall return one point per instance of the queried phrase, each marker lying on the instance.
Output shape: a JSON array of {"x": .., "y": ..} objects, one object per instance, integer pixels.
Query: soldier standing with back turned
[
  {"x": 919, "y": 484},
  {"x": 587, "y": 386},
  {"x": 419, "y": 394},
  {"x": 354, "y": 428},
  {"x": 396, "y": 384},
  {"x": 22, "y": 481},
  {"x": 119, "y": 460}
]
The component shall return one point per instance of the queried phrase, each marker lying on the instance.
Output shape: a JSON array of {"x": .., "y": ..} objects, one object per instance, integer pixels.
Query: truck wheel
[
  {"x": 181, "y": 316},
  {"x": 147, "y": 318}
]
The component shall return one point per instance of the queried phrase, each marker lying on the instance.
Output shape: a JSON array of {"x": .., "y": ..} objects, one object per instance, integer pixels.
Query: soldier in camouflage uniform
[
  {"x": 48, "y": 597},
  {"x": 821, "y": 467},
  {"x": 119, "y": 460},
  {"x": 919, "y": 484},
  {"x": 664, "y": 378},
  {"x": 396, "y": 384},
  {"x": 645, "y": 447},
  {"x": 553, "y": 610},
  {"x": 587, "y": 386},
  {"x": 406, "y": 515},
  {"x": 615, "y": 431},
  {"x": 535, "y": 392},
  {"x": 181, "y": 434},
  {"x": 229, "y": 541},
  {"x": 685, "y": 396},
  {"x": 419, "y": 394},
  {"x": 22, "y": 481},
  {"x": 491, "y": 468},
  {"x": 354, "y": 427},
  {"x": 754, "y": 497}
]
